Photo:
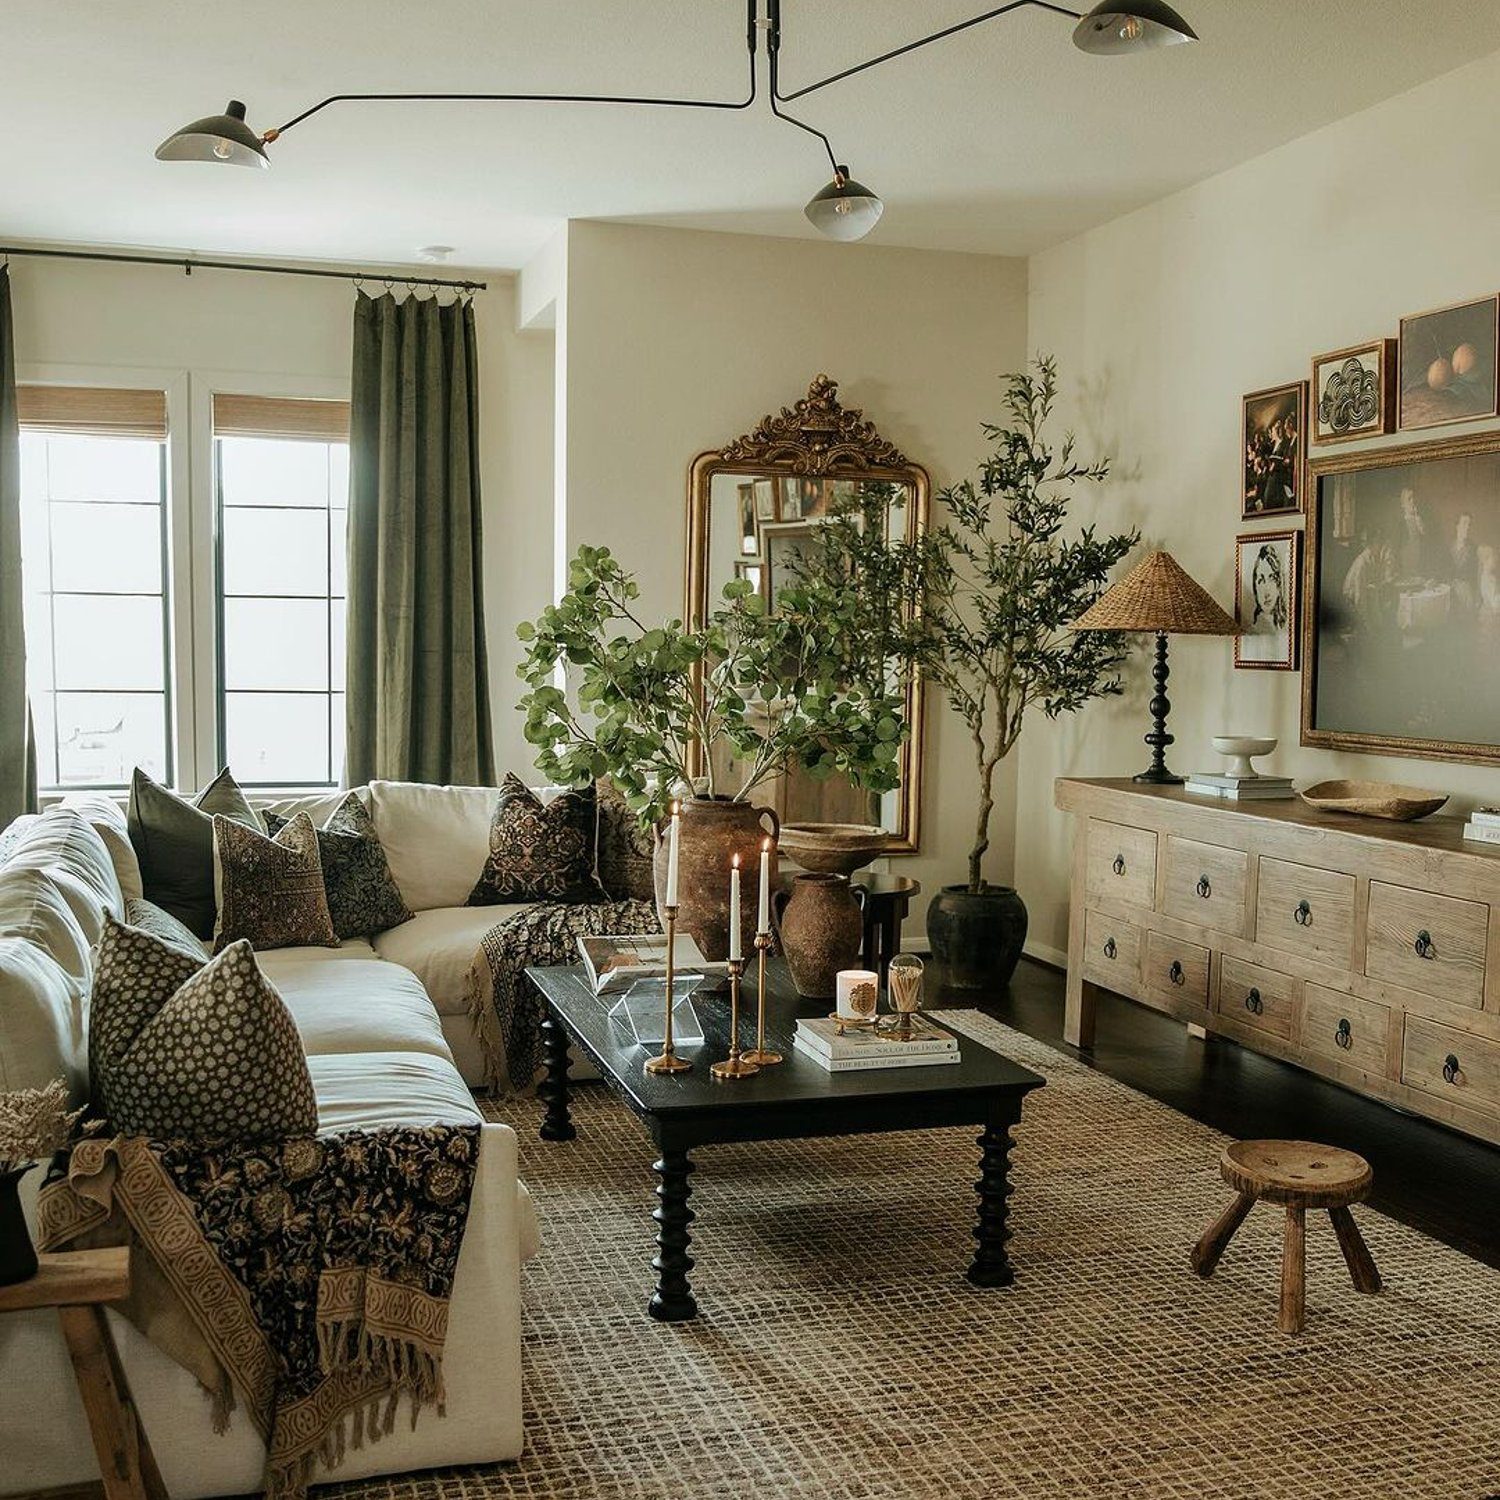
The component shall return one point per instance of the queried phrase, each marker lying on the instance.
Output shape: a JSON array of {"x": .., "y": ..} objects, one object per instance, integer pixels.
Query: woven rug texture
[{"x": 839, "y": 1353}]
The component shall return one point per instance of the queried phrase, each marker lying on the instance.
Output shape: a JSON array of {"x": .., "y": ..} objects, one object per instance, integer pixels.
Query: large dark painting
[{"x": 1403, "y": 623}]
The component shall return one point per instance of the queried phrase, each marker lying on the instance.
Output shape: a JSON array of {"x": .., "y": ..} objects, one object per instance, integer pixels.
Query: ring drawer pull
[
  {"x": 1253, "y": 1003},
  {"x": 1303, "y": 914},
  {"x": 1204, "y": 889},
  {"x": 1344, "y": 1036},
  {"x": 1175, "y": 973},
  {"x": 1452, "y": 1073},
  {"x": 1424, "y": 945},
  {"x": 1119, "y": 865},
  {"x": 1109, "y": 948}
]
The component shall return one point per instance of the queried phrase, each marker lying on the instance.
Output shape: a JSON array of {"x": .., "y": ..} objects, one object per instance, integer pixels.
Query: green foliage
[{"x": 609, "y": 694}]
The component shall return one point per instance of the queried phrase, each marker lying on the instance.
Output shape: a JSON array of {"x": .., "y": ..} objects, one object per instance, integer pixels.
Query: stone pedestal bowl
[{"x": 832, "y": 848}]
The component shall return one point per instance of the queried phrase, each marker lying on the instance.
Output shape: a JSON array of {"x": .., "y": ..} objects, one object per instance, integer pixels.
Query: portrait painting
[
  {"x": 749, "y": 534},
  {"x": 1265, "y": 600},
  {"x": 1274, "y": 431},
  {"x": 765, "y": 499},
  {"x": 787, "y": 545},
  {"x": 1448, "y": 360},
  {"x": 1354, "y": 392},
  {"x": 1403, "y": 629},
  {"x": 755, "y": 572}
]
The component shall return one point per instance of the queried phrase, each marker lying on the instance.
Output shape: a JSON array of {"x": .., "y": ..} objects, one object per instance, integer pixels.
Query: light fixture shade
[
  {"x": 845, "y": 209},
  {"x": 1157, "y": 595},
  {"x": 218, "y": 138},
  {"x": 1120, "y": 26}
]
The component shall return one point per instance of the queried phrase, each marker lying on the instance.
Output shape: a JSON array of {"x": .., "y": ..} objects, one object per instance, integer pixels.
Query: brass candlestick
[
  {"x": 669, "y": 1062},
  {"x": 735, "y": 1066},
  {"x": 760, "y": 1054}
]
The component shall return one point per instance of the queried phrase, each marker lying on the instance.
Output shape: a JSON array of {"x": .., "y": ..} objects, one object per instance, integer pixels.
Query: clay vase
[
  {"x": 714, "y": 830},
  {"x": 17, "y": 1255},
  {"x": 977, "y": 936},
  {"x": 821, "y": 924}
]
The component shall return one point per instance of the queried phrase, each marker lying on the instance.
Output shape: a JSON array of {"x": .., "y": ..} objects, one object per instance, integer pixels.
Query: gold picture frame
[
  {"x": 1435, "y": 389},
  {"x": 1277, "y": 561},
  {"x": 1354, "y": 393},
  {"x": 1265, "y": 465}
]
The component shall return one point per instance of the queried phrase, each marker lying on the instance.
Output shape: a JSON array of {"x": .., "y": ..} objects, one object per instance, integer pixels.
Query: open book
[{"x": 613, "y": 964}]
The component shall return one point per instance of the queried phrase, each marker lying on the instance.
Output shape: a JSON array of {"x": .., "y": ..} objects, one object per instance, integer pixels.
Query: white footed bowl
[{"x": 1240, "y": 748}]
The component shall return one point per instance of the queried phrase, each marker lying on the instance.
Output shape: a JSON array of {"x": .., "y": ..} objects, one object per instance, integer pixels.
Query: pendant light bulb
[
  {"x": 1116, "y": 27},
  {"x": 845, "y": 210},
  {"x": 1130, "y": 29}
]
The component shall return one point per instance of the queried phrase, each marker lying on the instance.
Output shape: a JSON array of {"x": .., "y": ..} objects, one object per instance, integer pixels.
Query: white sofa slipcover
[{"x": 378, "y": 1057}]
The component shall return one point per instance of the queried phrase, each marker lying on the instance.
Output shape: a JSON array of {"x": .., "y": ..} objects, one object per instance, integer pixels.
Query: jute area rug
[{"x": 840, "y": 1354}]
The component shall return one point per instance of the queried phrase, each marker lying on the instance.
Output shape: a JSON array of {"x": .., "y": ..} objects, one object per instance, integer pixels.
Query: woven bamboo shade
[{"x": 1157, "y": 595}]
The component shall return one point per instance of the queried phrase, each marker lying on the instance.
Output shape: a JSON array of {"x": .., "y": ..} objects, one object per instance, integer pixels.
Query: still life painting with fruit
[{"x": 1448, "y": 364}]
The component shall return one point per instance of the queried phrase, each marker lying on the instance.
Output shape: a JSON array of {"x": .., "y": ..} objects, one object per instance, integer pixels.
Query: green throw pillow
[{"x": 174, "y": 841}]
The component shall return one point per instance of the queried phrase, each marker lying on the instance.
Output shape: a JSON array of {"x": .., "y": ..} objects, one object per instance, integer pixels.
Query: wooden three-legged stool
[{"x": 1300, "y": 1175}]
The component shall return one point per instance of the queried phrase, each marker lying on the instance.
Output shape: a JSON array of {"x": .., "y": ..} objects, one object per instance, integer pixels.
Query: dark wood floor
[{"x": 1442, "y": 1183}]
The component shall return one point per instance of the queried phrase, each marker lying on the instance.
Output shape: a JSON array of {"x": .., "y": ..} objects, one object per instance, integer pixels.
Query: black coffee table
[{"x": 790, "y": 1101}]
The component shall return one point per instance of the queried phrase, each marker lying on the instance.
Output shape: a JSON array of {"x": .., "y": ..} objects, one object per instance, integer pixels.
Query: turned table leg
[
  {"x": 1356, "y": 1253},
  {"x": 1293, "y": 1271},
  {"x": 1207, "y": 1251},
  {"x": 557, "y": 1123},
  {"x": 672, "y": 1301},
  {"x": 991, "y": 1265}
]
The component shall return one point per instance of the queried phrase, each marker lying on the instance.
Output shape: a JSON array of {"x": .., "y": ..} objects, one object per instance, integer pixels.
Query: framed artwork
[
  {"x": 1401, "y": 631},
  {"x": 1274, "y": 434},
  {"x": 1354, "y": 392},
  {"x": 755, "y": 572},
  {"x": 1448, "y": 360},
  {"x": 749, "y": 535},
  {"x": 1266, "y": 577},
  {"x": 786, "y": 544},
  {"x": 765, "y": 499}
]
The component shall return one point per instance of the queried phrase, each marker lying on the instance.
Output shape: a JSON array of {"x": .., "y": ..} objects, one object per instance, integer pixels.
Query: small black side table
[{"x": 888, "y": 898}]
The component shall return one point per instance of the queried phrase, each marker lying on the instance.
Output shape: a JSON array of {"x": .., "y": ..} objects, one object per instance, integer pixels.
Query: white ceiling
[{"x": 1004, "y": 139}]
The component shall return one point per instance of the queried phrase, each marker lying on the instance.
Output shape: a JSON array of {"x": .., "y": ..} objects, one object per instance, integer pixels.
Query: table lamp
[{"x": 1158, "y": 596}]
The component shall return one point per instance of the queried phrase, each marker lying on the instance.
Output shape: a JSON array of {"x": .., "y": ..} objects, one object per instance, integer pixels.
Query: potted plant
[
  {"x": 987, "y": 597},
  {"x": 35, "y": 1124},
  {"x": 610, "y": 694}
]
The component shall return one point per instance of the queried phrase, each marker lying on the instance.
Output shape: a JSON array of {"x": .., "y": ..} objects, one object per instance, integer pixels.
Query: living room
[{"x": 376, "y": 386}]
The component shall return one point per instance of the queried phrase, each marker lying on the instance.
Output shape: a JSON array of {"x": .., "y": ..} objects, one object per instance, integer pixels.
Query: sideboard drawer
[
  {"x": 1111, "y": 952},
  {"x": 1450, "y": 1063},
  {"x": 1121, "y": 863},
  {"x": 1302, "y": 910},
  {"x": 1176, "y": 970},
  {"x": 1346, "y": 1029},
  {"x": 1427, "y": 942},
  {"x": 1258, "y": 997},
  {"x": 1205, "y": 883}
]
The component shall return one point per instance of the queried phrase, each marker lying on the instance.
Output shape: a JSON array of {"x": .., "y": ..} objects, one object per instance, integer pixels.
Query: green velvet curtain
[
  {"x": 17, "y": 745},
  {"x": 418, "y": 687}
]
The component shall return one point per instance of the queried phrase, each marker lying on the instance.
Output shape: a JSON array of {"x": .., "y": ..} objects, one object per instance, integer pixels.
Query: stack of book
[
  {"x": 1240, "y": 788},
  {"x": 1483, "y": 825},
  {"x": 861, "y": 1048}
]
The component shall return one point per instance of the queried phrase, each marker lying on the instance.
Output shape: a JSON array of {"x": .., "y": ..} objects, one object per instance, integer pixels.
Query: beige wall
[
  {"x": 676, "y": 341},
  {"x": 161, "y": 323},
  {"x": 1164, "y": 319}
]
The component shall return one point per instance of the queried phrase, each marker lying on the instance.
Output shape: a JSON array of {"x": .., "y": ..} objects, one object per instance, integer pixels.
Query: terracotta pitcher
[
  {"x": 714, "y": 830},
  {"x": 821, "y": 924}
]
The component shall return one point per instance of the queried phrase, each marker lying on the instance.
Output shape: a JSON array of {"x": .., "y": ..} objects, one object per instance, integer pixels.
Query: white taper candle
[
  {"x": 672, "y": 845},
  {"x": 735, "y": 950},
  {"x": 763, "y": 916}
]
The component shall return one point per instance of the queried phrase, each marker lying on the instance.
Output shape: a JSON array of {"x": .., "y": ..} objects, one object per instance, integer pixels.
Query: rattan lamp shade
[{"x": 1157, "y": 595}]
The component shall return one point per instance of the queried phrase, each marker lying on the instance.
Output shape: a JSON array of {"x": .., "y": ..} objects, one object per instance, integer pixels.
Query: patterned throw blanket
[
  {"x": 309, "y": 1277},
  {"x": 505, "y": 1006}
]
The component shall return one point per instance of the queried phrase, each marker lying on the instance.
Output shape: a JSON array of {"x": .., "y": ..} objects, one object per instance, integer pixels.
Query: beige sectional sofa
[{"x": 389, "y": 1041}]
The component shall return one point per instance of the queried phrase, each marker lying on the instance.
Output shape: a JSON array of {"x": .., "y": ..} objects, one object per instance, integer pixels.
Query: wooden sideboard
[{"x": 1366, "y": 951}]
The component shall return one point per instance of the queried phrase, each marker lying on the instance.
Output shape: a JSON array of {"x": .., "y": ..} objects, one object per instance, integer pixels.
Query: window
[
  {"x": 281, "y": 471},
  {"x": 94, "y": 566}
]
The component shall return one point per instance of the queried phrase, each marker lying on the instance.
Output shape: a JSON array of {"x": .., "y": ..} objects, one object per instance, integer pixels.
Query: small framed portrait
[
  {"x": 749, "y": 533},
  {"x": 755, "y": 572},
  {"x": 765, "y": 499},
  {"x": 1354, "y": 392},
  {"x": 1274, "y": 435},
  {"x": 1266, "y": 574},
  {"x": 790, "y": 495},
  {"x": 1448, "y": 361}
]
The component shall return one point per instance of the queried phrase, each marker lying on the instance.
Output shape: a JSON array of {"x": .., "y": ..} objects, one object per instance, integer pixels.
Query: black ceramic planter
[
  {"x": 977, "y": 938},
  {"x": 17, "y": 1255}
]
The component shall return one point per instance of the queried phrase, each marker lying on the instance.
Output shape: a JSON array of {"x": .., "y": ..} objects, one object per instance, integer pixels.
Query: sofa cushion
[
  {"x": 363, "y": 898},
  {"x": 65, "y": 848},
  {"x": 437, "y": 838},
  {"x": 623, "y": 851},
  {"x": 539, "y": 852},
  {"x": 32, "y": 907},
  {"x": 269, "y": 891},
  {"x": 174, "y": 841},
  {"x": 367, "y": 1090},
  {"x": 438, "y": 946},
  {"x": 365, "y": 1005},
  {"x": 107, "y": 818},
  {"x": 149, "y": 917},
  {"x": 220, "y": 1060},
  {"x": 41, "y": 1021}
]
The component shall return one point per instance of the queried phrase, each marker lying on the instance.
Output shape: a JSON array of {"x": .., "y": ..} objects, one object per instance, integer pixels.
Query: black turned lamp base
[
  {"x": 1157, "y": 774},
  {"x": 1161, "y": 777}
]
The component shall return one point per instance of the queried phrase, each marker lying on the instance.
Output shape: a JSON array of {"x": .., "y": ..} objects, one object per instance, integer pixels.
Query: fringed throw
[
  {"x": 505, "y": 1006},
  {"x": 316, "y": 1271}
]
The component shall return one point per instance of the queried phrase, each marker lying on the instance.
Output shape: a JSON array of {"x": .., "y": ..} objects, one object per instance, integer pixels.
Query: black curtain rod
[{"x": 189, "y": 265}]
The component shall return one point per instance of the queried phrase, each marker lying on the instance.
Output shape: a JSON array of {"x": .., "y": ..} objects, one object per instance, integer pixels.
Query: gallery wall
[
  {"x": 672, "y": 342},
  {"x": 1163, "y": 319}
]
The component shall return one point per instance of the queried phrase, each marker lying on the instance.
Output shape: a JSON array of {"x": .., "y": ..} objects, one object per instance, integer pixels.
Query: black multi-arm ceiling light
[{"x": 844, "y": 210}]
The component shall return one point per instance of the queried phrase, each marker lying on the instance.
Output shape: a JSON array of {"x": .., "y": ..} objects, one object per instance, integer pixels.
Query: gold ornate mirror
[{"x": 751, "y": 505}]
